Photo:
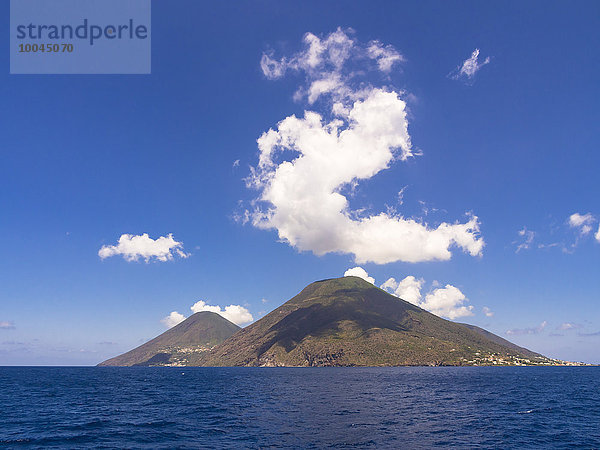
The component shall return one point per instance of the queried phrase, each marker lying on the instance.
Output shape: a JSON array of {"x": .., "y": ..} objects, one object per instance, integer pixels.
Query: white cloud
[
  {"x": 569, "y": 326},
  {"x": 234, "y": 313},
  {"x": 583, "y": 226},
  {"x": 469, "y": 67},
  {"x": 271, "y": 68},
  {"x": 236, "y": 163},
  {"x": 321, "y": 60},
  {"x": 390, "y": 285},
  {"x": 173, "y": 319},
  {"x": 306, "y": 163},
  {"x": 401, "y": 195},
  {"x": 521, "y": 331},
  {"x": 528, "y": 237},
  {"x": 7, "y": 325},
  {"x": 408, "y": 289},
  {"x": 386, "y": 56},
  {"x": 447, "y": 302},
  {"x": 359, "y": 272},
  {"x": 487, "y": 311},
  {"x": 133, "y": 247},
  {"x": 264, "y": 300},
  {"x": 583, "y": 222}
]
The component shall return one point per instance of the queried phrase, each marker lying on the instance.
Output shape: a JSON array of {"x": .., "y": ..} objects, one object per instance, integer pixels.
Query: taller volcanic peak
[{"x": 350, "y": 322}]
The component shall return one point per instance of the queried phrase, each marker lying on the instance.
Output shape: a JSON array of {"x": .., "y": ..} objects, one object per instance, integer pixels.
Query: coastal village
[{"x": 495, "y": 359}]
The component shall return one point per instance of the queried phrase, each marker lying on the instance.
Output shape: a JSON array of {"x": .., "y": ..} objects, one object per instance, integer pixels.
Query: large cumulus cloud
[{"x": 306, "y": 164}]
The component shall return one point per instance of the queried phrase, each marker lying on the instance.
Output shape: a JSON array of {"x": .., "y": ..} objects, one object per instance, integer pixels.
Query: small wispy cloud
[
  {"x": 527, "y": 237},
  {"x": 487, "y": 311},
  {"x": 236, "y": 163},
  {"x": 132, "y": 248},
  {"x": 401, "y": 195},
  {"x": 469, "y": 67},
  {"x": 565, "y": 235},
  {"x": 385, "y": 55},
  {"x": 533, "y": 330},
  {"x": 569, "y": 326},
  {"x": 582, "y": 222}
]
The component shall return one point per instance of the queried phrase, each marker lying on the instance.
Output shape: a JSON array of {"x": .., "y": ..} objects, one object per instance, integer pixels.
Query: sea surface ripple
[{"x": 401, "y": 407}]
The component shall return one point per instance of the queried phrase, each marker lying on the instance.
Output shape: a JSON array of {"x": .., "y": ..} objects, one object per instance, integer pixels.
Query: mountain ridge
[{"x": 333, "y": 322}]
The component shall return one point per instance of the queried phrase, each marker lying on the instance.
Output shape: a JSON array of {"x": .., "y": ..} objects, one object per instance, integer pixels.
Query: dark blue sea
[{"x": 476, "y": 407}]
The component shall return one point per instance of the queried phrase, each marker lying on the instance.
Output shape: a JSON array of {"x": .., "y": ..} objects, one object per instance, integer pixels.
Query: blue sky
[{"x": 86, "y": 159}]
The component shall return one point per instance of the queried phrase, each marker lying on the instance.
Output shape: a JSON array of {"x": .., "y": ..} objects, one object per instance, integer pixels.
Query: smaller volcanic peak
[{"x": 197, "y": 334}]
